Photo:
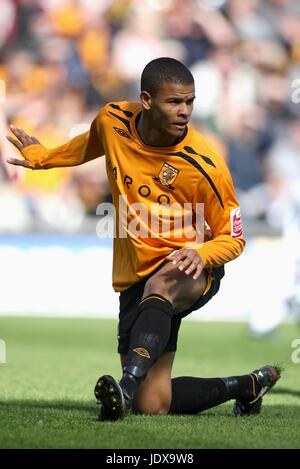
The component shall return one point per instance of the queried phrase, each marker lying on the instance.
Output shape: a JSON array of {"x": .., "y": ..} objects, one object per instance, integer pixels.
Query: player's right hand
[{"x": 24, "y": 140}]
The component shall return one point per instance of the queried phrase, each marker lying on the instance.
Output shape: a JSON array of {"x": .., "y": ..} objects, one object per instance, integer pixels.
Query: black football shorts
[{"x": 129, "y": 305}]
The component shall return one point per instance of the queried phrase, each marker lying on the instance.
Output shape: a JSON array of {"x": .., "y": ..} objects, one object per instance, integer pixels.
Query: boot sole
[{"x": 109, "y": 394}]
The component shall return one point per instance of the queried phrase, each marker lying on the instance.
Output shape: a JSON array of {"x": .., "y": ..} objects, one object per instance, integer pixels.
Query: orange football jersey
[{"x": 162, "y": 195}]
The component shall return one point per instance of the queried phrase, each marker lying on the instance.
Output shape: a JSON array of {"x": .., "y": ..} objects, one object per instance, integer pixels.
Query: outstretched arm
[{"x": 79, "y": 150}]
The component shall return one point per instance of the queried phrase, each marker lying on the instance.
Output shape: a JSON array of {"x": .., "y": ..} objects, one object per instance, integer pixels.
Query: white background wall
[{"x": 49, "y": 279}]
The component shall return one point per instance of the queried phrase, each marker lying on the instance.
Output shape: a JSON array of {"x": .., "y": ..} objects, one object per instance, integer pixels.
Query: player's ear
[{"x": 145, "y": 100}]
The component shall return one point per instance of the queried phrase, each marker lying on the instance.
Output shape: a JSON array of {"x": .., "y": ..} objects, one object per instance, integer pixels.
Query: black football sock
[
  {"x": 243, "y": 387},
  {"x": 193, "y": 395},
  {"x": 149, "y": 337}
]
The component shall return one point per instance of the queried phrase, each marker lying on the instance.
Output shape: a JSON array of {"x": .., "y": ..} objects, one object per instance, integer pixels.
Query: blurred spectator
[
  {"x": 248, "y": 140},
  {"x": 7, "y": 21},
  {"x": 282, "y": 168},
  {"x": 62, "y": 60},
  {"x": 90, "y": 184}
]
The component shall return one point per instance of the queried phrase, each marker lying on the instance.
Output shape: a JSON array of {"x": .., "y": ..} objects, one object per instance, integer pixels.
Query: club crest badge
[{"x": 167, "y": 175}]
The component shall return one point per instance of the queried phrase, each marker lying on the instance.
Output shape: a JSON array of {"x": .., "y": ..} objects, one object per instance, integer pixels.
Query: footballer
[{"x": 156, "y": 161}]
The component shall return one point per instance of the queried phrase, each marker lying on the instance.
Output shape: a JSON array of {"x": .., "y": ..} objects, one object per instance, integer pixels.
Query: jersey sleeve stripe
[
  {"x": 127, "y": 113},
  {"x": 122, "y": 119},
  {"x": 196, "y": 165},
  {"x": 205, "y": 158}
]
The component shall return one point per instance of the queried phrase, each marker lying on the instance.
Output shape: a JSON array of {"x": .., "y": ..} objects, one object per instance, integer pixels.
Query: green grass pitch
[{"x": 46, "y": 387}]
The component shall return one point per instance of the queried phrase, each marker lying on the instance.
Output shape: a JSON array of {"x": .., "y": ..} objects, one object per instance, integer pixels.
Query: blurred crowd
[{"x": 61, "y": 60}]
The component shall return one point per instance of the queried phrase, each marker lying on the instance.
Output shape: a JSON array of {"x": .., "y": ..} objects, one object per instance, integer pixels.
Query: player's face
[{"x": 171, "y": 108}]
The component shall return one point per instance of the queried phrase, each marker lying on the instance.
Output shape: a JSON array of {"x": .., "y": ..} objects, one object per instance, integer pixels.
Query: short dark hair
[{"x": 164, "y": 69}]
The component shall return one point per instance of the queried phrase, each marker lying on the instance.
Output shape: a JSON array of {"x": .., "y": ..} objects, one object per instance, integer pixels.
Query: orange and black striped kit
[{"x": 149, "y": 178}]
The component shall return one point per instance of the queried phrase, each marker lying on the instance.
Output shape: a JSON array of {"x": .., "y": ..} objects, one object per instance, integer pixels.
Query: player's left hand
[
  {"x": 187, "y": 260},
  {"x": 24, "y": 140}
]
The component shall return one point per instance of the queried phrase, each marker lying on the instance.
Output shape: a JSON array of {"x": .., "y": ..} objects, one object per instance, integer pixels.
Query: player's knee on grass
[
  {"x": 152, "y": 403},
  {"x": 155, "y": 392}
]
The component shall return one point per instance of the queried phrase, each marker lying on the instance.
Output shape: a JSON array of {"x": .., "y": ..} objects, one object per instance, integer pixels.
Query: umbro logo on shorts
[{"x": 142, "y": 352}]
